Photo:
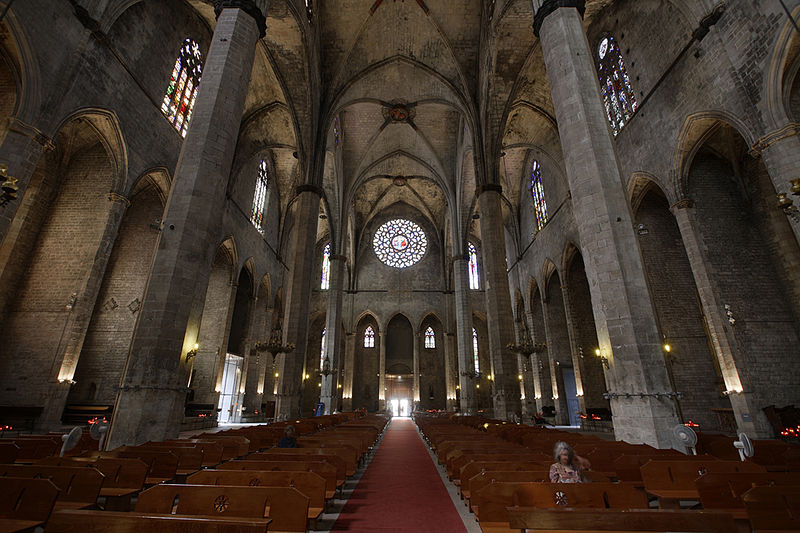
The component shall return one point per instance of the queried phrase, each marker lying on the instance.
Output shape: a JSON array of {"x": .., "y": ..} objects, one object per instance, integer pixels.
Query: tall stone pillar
[
  {"x": 333, "y": 330},
  {"x": 382, "y": 371},
  {"x": 780, "y": 151},
  {"x": 464, "y": 335},
  {"x": 450, "y": 371},
  {"x": 254, "y": 361},
  {"x": 750, "y": 418},
  {"x": 558, "y": 397},
  {"x": 418, "y": 336},
  {"x": 624, "y": 317},
  {"x": 500, "y": 319},
  {"x": 536, "y": 375},
  {"x": 577, "y": 364},
  {"x": 150, "y": 402},
  {"x": 298, "y": 298},
  {"x": 348, "y": 370}
]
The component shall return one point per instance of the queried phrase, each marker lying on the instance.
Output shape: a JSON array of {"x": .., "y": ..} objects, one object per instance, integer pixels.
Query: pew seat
[
  {"x": 122, "y": 522},
  {"x": 585, "y": 520}
]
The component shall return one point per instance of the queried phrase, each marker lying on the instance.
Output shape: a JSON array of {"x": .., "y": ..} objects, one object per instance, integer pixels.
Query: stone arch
[
  {"x": 159, "y": 178},
  {"x": 432, "y": 362},
  {"x": 782, "y": 81},
  {"x": 229, "y": 248},
  {"x": 311, "y": 377},
  {"x": 366, "y": 365},
  {"x": 639, "y": 184},
  {"x": 21, "y": 72}
]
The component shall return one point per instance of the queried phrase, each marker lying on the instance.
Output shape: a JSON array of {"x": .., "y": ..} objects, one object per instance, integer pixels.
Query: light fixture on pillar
[
  {"x": 192, "y": 353},
  {"x": 326, "y": 368},
  {"x": 786, "y": 203},
  {"x": 603, "y": 359},
  {"x": 9, "y": 187},
  {"x": 526, "y": 347}
]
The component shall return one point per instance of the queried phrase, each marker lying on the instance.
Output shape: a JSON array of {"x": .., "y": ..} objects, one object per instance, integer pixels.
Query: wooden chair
[
  {"x": 561, "y": 520},
  {"x": 774, "y": 508},
  {"x": 308, "y": 483},
  {"x": 119, "y": 522},
  {"x": 287, "y": 507},
  {"x": 25, "y": 503}
]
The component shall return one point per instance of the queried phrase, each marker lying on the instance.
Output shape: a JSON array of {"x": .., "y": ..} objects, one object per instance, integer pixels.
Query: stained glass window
[
  {"x": 322, "y": 351},
  {"x": 369, "y": 337},
  {"x": 475, "y": 350},
  {"x": 336, "y": 132},
  {"x": 309, "y": 10},
  {"x": 619, "y": 97},
  {"x": 260, "y": 196},
  {"x": 326, "y": 267},
  {"x": 399, "y": 243},
  {"x": 430, "y": 338},
  {"x": 182, "y": 89},
  {"x": 474, "y": 279},
  {"x": 537, "y": 195}
]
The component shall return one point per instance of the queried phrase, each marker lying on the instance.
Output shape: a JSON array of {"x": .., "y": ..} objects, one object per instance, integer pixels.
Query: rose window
[{"x": 400, "y": 243}]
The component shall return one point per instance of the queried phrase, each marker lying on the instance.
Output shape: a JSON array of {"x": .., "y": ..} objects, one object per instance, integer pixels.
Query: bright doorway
[
  {"x": 399, "y": 407},
  {"x": 230, "y": 399}
]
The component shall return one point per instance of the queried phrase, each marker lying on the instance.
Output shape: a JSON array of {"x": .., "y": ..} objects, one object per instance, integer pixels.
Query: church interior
[{"x": 571, "y": 213}]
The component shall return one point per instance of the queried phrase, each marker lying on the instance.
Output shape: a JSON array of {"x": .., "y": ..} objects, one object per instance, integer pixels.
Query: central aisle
[{"x": 401, "y": 489}]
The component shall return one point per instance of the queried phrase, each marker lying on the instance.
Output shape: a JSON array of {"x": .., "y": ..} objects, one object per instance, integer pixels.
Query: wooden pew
[
  {"x": 212, "y": 451},
  {"x": 287, "y": 507},
  {"x": 8, "y": 452},
  {"x": 233, "y": 446},
  {"x": 672, "y": 481},
  {"x": 773, "y": 508},
  {"x": 723, "y": 492},
  {"x": 162, "y": 465},
  {"x": 476, "y": 467},
  {"x": 456, "y": 463},
  {"x": 79, "y": 487},
  {"x": 478, "y": 481},
  {"x": 561, "y": 520},
  {"x": 322, "y": 468},
  {"x": 303, "y": 454},
  {"x": 309, "y": 483},
  {"x": 32, "y": 448},
  {"x": 119, "y": 522},
  {"x": 123, "y": 478},
  {"x": 25, "y": 503}
]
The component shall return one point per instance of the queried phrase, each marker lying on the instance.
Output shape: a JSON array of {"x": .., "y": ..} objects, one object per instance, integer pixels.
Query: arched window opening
[
  {"x": 619, "y": 97},
  {"x": 322, "y": 351},
  {"x": 326, "y": 267},
  {"x": 475, "y": 350},
  {"x": 474, "y": 279},
  {"x": 336, "y": 131},
  {"x": 309, "y": 10},
  {"x": 182, "y": 89},
  {"x": 430, "y": 338},
  {"x": 260, "y": 196},
  {"x": 369, "y": 337},
  {"x": 537, "y": 195}
]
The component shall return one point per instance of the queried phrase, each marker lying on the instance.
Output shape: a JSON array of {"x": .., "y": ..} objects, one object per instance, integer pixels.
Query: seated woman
[
  {"x": 568, "y": 468},
  {"x": 289, "y": 439}
]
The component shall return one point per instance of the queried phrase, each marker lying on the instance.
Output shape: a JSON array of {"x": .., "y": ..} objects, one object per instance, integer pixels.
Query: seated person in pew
[
  {"x": 568, "y": 467},
  {"x": 289, "y": 439}
]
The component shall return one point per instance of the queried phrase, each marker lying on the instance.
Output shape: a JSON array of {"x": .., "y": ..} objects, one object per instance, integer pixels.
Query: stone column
[
  {"x": 499, "y": 316},
  {"x": 81, "y": 307},
  {"x": 333, "y": 330},
  {"x": 348, "y": 370},
  {"x": 21, "y": 150},
  {"x": 780, "y": 151},
  {"x": 536, "y": 376},
  {"x": 298, "y": 298},
  {"x": 750, "y": 418},
  {"x": 464, "y": 335},
  {"x": 382, "y": 370},
  {"x": 418, "y": 336},
  {"x": 150, "y": 403},
  {"x": 574, "y": 343},
  {"x": 450, "y": 371},
  {"x": 559, "y": 400},
  {"x": 254, "y": 366},
  {"x": 624, "y": 316}
]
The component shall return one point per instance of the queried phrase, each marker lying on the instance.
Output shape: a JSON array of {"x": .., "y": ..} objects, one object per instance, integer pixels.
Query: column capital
[
  {"x": 116, "y": 197},
  {"x": 793, "y": 128},
  {"x": 457, "y": 258},
  {"x": 254, "y": 8},
  {"x": 683, "y": 203},
  {"x": 337, "y": 257},
  {"x": 307, "y": 187},
  {"x": 548, "y": 6},
  {"x": 16, "y": 125},
  {"x": 494, "y": 187}
]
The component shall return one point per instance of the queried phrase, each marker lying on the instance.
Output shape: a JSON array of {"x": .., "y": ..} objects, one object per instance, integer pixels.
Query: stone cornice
[
  {"x": 683, "y": 203},
  {"x": 793, "y": 128},
  {"x": 16, "y": 125},
  {"x": 249, "y": 7},
  {"x": 307, "y": 187},
  {"x": 494, "y": 187},
  {"x": 548, "y": 6}
]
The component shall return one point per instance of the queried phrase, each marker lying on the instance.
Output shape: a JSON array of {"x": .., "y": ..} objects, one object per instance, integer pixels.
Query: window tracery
[
  {"x": 399, "y": 243},
  {"x": 260, "y": 196},
  {"x": 325, "y": 282},
  {"x": 369, "y": 337},
  {"x": 537, "y": 195},
  {"x": 619, "y": 97},
  {"x": 181, "y": 92},
  {"x": 430, "y": 338},
  {"x": 475, "y": 351},
  {"x": 474, "y": 277}
]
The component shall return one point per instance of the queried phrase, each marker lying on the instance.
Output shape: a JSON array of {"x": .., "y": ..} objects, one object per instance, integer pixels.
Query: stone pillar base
[
  {"x": 50, "y": 419},
  {"x": 151, "y": 414}
]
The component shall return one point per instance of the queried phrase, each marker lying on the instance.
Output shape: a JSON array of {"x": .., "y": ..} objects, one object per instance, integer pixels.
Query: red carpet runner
[{"x": 401, "y": 490}]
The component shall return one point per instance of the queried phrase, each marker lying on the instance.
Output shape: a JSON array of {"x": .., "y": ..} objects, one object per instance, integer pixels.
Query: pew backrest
[
  {"x": 70, "y": 521},
  {"x": 773, "y": 508},
  {"x": 27, "y": 499},
  {"x": 75, "y": 484}
]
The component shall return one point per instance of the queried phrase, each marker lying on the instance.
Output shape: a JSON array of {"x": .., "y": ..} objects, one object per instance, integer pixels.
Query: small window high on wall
[
  {"x": 326, "y": 267},
  {"x": 182, "y": 89},
  {"x": 474, "y": 278},
  {"x": 537, "y": 195},
  {"x": 475, "y": 350},
  {"x": 430, "y": 338},
  {"x": 369, "y": 337},
  {"x": 619, "y": 97},
  {"x": 260, "y": 196}
]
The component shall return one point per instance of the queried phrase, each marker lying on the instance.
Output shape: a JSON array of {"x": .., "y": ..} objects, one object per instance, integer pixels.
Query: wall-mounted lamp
[
  {"x": 784, "y": 202},
  {"x": 9, "y": 187},
  {"x": 667, "y": 347},
  {"x": 519, "y": 377},
  {"x": 191, "y": 353},
  {"x": 603, "y": 359}
]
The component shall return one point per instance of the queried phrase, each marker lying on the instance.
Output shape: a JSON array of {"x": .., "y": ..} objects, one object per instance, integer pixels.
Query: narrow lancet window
[
  {"x": 322, "y": 351},
  {"x": 619, "y": 97},
  {"x": 369, "y": 337},
  {"x": 474, "y": 279},
  {"x": 182, "y": 89},
  {"x": 475, "y": 350},
  {"x": 326, "y": 267},
  {"x": 537, "y": 195},
  {"x": 430, "y": 338},
  {"x": 260, "y": 196}
]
